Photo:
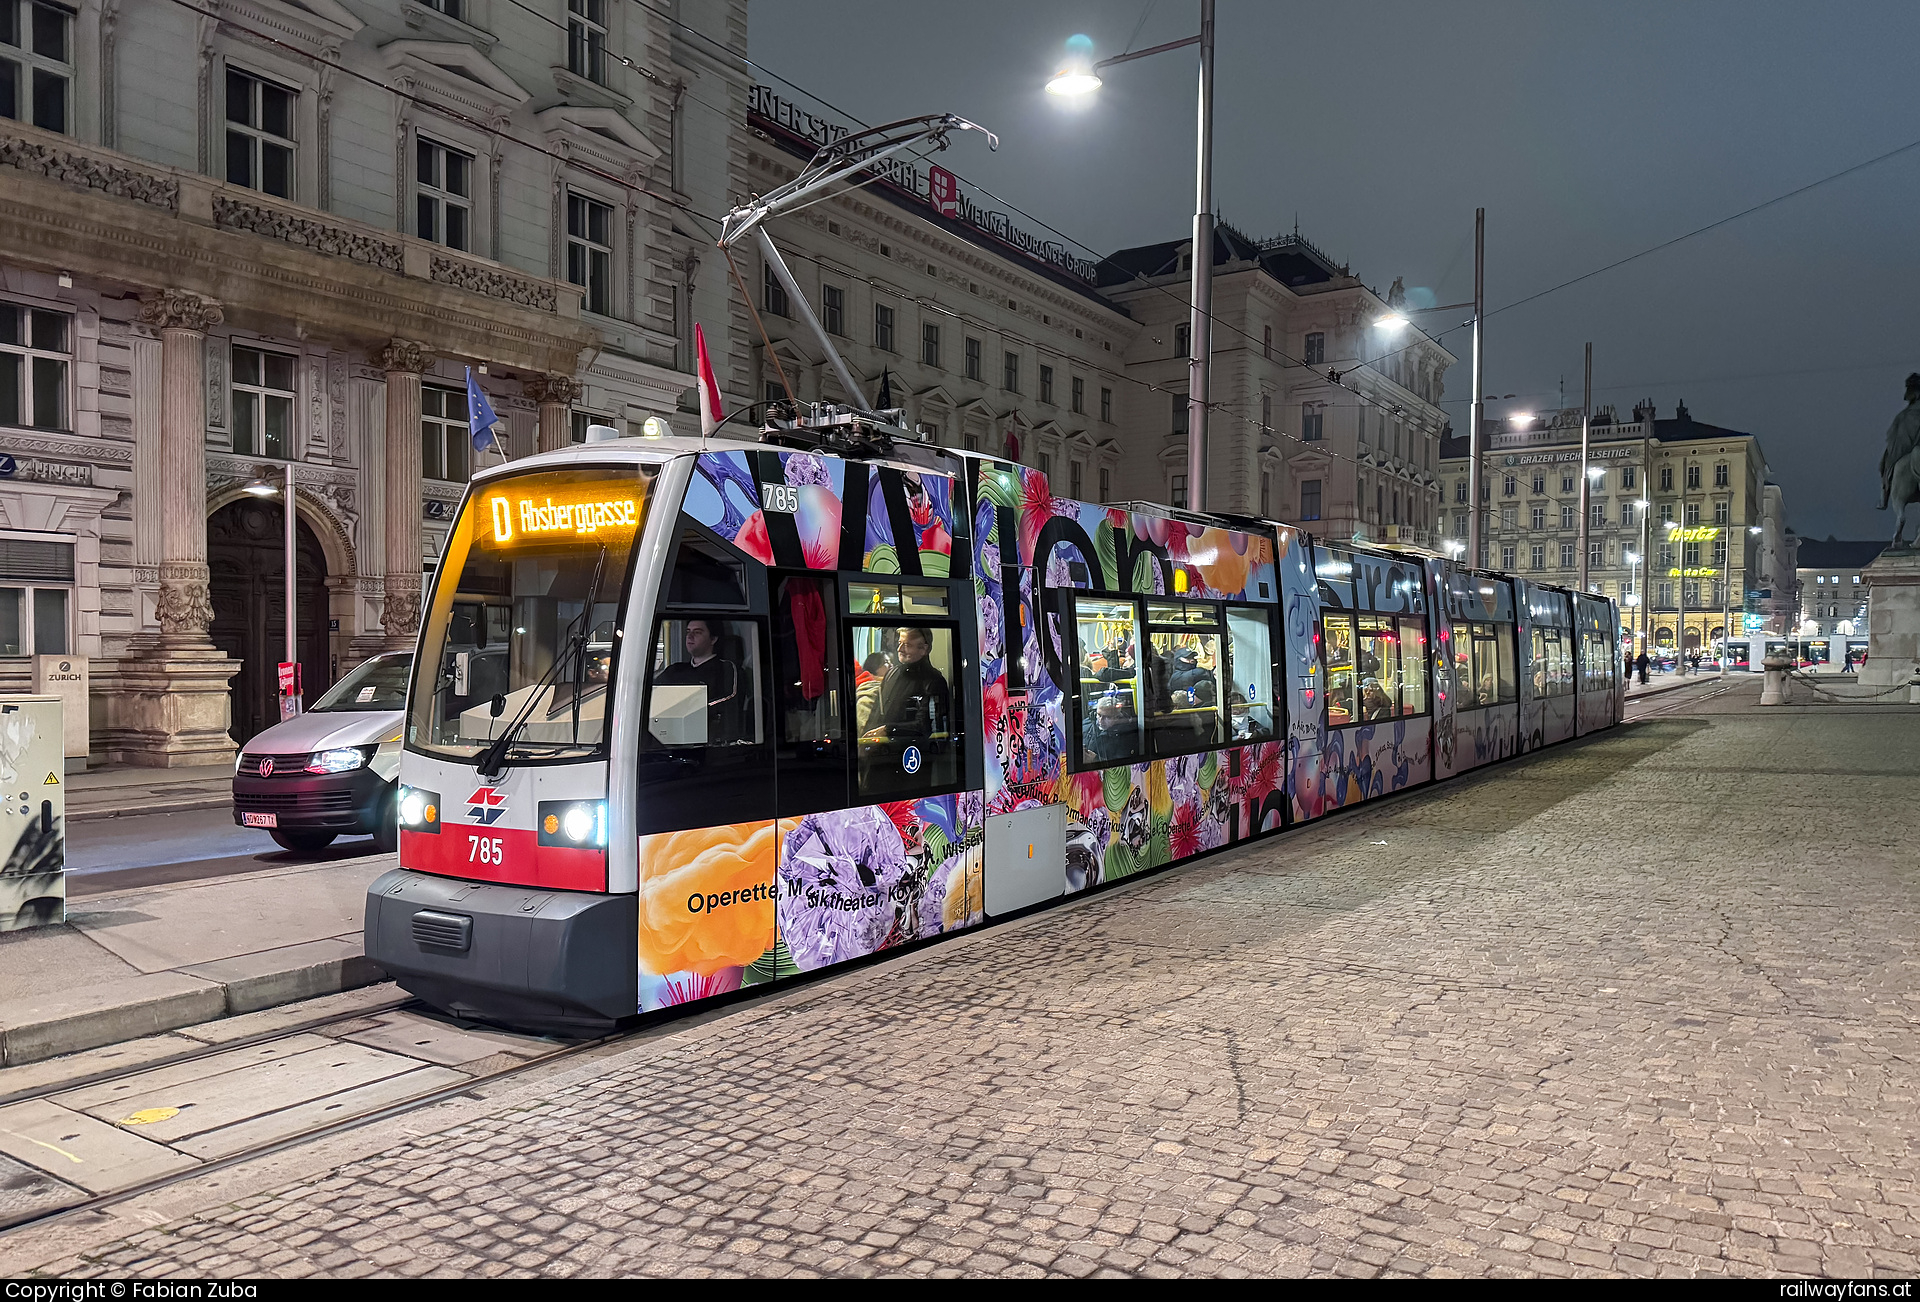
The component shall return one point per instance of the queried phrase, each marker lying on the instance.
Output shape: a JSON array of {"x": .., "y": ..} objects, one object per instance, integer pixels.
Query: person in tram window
[
  {"x": 1109, "y": 733},
  {"x": 1374, "y": 701},
  {"x": 706, "y": 667},
  {"x": 915, "y": 700}
]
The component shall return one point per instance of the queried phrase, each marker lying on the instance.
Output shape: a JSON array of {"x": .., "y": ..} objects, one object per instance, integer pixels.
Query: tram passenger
[
  {"x": 914, "y": 700},
  {"x": 706, "y": 667},
  {"x": 1110, "y": 733},
  {"x": 1375, "y": 703}
]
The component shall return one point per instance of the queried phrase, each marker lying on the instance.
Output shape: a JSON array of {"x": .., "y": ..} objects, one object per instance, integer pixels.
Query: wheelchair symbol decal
[{"x": 910, "y": 761}]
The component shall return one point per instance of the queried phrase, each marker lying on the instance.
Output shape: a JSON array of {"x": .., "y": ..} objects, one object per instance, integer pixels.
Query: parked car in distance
[{"x": 333, "y": 770}]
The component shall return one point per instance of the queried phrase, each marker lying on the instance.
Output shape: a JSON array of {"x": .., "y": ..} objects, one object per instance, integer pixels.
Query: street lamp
[
  {"x": 1079, "y": 78},
  {"x": 261, "y": 486}
]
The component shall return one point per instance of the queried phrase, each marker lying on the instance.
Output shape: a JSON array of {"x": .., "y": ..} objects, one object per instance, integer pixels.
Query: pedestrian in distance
[{"x": 1640, "y": 663}]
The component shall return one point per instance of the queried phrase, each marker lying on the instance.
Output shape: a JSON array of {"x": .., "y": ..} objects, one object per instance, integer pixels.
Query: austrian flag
[{"x": 710, "y": 413}]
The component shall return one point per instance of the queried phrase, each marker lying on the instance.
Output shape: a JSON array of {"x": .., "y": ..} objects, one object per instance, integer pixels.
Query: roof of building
[
  {"x": 1681, "y": 427},
  {"x": 1290, "y": 259},
  {"x": 1837, "y": 554}
]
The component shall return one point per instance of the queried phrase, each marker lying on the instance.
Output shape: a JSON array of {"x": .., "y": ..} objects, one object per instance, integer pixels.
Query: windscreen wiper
[{"x": 490, "y": 761}]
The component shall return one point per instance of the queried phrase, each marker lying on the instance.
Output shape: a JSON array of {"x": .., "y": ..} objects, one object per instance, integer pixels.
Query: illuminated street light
[
  {"x": 1392, "y": 321},
  {"x": 260, "y": 487},
  {"x": 1520, "y": 418},
  {"x": 1072, "y": 81}
]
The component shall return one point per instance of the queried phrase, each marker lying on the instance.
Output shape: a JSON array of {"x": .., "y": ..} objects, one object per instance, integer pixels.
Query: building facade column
[
  {"x": 171, "y": 705},
  {"x": 555, "y": 394},
  {"x": 402, "y": 360}
]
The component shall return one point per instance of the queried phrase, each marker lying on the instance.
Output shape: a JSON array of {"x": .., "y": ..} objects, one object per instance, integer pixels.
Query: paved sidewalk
[
  {"x": 150, "y": 959},
  {"x": 123, "y": 790}
]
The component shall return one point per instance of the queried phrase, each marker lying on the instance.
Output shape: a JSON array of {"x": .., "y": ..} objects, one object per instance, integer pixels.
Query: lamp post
[
  {"x": 1586, "y": 479},
  {"x": 1641, "y": 506},
  {"x": 260, "y": 486},
  {"x": 1680, "y": 652},
  {"x": 1083, "y": 80}
]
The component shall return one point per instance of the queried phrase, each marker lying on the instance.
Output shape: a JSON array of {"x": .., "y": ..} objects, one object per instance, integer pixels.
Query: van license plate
[{"x": 260, "y": 820}]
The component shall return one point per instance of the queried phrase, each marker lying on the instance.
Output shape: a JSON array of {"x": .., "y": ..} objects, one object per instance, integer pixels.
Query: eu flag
[{"x": 480, "y": 416}]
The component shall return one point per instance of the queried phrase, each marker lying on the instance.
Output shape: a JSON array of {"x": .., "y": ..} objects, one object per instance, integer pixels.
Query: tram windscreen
[{"x": 521, "y": 633}]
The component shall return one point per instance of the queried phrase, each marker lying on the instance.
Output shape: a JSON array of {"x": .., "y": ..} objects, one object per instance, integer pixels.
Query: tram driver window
[
  {"x": 906, "y": 712},
  {"x": 1108, "y": 681},
  {"x": 705, "y": 686}
]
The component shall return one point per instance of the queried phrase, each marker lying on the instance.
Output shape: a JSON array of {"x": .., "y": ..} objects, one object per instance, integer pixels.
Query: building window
[
  {"x": 1182, "y": 341},
  {"x": 1720, "y": 475},
  {"x": 973, "y": 359},
  {"x": 580, "y": 421},
  {"x": 1046, "y": 385},
  {"x": 1266, "y": 342},
  {"x": 1537, "y": 555},
  {"x": 1539, "y": 518},
  {"x": 35, "y": 350},
  {"x": 1626, "y": 477},
  {"x": 1266, "y": 413},
  {"x": 1010, "y": 372},
  {"x": 36, "y": 584},
  {"x": 263, "y": 400},
  {"x": 1539, "y": 482},
  {"x": 833, "y": 305},
  {"x": 36, "y": 63},
  {"x": 1506, "y": 556},
  {"x": 929, "y": 343},
  {"x": 1073, "y": 480},
  {"x": 1460, "y": 524},
  {"x": 1666, "y": 595},
  {"x": 1693, "y": 476},
  {"x": 1722, "y": 512},
  {"x": 773, "y": 295},
  {"x": 443, "y": 194},
  {"x": 1690, "y": 555},
  {"x": 259, "y": 134},
  {"x": 1459, "y": 490},
  {"x": 451, "y": 8},
  {"x": 1106, "y": 404},
  {"x": 1720, "y": 552},
  {"x": 1179, "y": 490},
  {"x": 1666, "y": 479},
  {"x": 775, "y": 393},
  {"x": 1597, "y": 515},
  {"x": 590, "y": 251},
  {"x": 1510, "y": 486},
  {"x": 444, "y": 437},
  {"x": 1693, "y": 514},
  {"x": 1309, "y": 499},
  {"x": 1566, "y": 517},
  {"x": 1046, "y": 466},
  {"x": 1106, "y": 483},
  {"x": 1626, "y": 515},
  {"x": 1077, "y": 388},
  {"x": 1596, "y": 555},
  {"x": 1665, "y": 555},
  {"x": 972, "y": 441},
  {"x": 1509, "y": 517},
  {"x": 1312, "y": 416},
  {"x": 1566, "y": 483},
  {"x": 883, "y": 327},
  {"x": 1316, "y": 348},
  {"x": 1266, "y": 494},
  {"x": 587, "y": 39}
]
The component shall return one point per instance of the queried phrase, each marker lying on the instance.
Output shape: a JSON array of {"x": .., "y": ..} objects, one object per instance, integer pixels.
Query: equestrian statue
[{"x": 1900, "y": 463}]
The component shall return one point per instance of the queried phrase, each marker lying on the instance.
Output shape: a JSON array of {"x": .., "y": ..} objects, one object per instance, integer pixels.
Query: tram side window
[
  {"x": 1563, "y": 662},
  {"x": 1413, "y": 667},
  {"x": 705, "y": 684},
  {"x": 1184, "y": 690},
  {"x": 1377, "y": 661},
  {"x": 705, "y": 575},
  {"x": 1340, "y": 666},
  {"x": 809, "y": 678},
  {"x": 1109, "y": 685},
  {"x": 1490, "y": 678},
  {"x": 1552, "y": 662},
  {"x": 908, "y": 717},
  {"x": 1596, "y": 663},
  {"x": 1250, "y": 658}
]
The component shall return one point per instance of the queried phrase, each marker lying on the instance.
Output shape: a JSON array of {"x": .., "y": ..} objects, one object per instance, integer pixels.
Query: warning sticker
[{"x": 51, "y": 781}]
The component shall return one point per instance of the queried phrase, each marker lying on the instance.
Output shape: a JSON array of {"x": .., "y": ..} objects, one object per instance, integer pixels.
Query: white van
[{"x": 332, "y": 771}]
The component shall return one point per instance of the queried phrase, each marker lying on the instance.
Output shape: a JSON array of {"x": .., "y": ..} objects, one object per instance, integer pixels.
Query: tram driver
[{"x": 706, "y": 667}]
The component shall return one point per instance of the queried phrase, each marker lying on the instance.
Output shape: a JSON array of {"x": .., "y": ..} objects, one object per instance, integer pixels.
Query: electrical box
[{"x": 33, "y": 812}]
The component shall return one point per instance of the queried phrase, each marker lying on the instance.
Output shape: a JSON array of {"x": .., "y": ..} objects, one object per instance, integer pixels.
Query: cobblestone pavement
[{"x": 1642, "y": 1005}]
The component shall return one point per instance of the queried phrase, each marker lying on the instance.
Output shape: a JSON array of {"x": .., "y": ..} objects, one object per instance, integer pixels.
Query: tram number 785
[{"x": 486, "y": 849}]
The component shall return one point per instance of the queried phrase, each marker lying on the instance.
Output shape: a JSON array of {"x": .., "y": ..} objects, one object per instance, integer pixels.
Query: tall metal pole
[
  {"x": 1476, "y": 436},
  {"x": 1646, "y": 561},
  {"x": 1200, "y": 333},
  {"x": 1680, "y": 661},
  {"x": 293, "y": 623},
  {"x": 1726, "y": 599},
  {"x": 1586, "y": 480}
]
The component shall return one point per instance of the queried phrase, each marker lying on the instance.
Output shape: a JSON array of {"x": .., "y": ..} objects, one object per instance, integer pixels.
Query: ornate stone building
[{"x": 273, "y": 231}]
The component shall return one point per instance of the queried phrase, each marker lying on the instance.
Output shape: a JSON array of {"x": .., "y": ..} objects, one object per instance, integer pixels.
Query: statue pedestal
[
  {"x": 1893, "y": 619},
  {"x": 169, "y": 706}
]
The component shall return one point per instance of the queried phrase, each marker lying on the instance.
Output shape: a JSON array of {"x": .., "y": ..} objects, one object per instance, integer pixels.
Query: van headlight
[
  {"x": 573, "y": 823},
  {"x": 342, "y": 759}
]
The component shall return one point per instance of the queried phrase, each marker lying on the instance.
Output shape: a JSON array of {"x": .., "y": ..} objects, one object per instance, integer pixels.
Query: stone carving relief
[
  {"x": 303, "y": 232},
  {"x": 184, "y": 609},
  {"x": 400, "y": 617},
  {"x": 403, "y": 355},
  {"x": 337, "y": 396},
  {"x": 176, "y": 309},
  {"x": 551, "y": 388},
  {"x": 494, "y": 283},
  {"x": 80, "y": 169},
  {"x": 317, "y": 442}
]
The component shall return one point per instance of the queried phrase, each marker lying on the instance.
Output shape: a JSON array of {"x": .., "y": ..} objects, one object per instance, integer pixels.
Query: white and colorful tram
[{"x": 691, "y": 716}]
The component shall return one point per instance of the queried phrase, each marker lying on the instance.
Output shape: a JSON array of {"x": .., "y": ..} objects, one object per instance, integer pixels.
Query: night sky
[{"x": 1588, "y": 132}]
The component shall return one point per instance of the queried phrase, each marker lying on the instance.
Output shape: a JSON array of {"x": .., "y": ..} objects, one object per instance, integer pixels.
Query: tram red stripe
[{"x": 521, "y": 860}]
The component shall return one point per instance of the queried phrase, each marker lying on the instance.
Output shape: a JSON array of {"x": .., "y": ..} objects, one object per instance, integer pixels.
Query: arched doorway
[{"x": 246, "y": 549}]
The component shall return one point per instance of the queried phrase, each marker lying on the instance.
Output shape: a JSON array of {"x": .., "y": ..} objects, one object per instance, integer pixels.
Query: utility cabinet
[{"x": 33, "y": 812}]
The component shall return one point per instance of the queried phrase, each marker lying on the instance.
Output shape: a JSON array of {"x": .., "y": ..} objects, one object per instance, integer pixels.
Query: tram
[{"x": 690, "y": 716}]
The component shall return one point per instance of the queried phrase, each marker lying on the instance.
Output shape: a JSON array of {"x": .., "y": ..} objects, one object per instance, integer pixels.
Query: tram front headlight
[
  {"x": 573, "y": 823},
  {"x": 418, "y": 810}
]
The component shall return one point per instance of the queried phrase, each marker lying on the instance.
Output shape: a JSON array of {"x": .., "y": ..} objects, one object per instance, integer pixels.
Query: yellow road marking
[
  {"x": 43, "y": 1144},
  {"x": 147, "y": 1116}
]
